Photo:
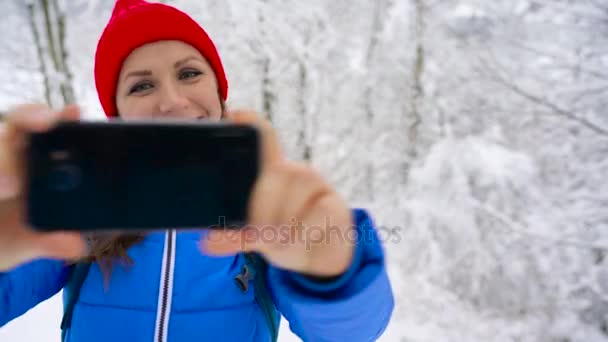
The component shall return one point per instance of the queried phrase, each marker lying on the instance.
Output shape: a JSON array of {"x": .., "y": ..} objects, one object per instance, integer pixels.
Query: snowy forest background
[{"x": 475, "y": 131}]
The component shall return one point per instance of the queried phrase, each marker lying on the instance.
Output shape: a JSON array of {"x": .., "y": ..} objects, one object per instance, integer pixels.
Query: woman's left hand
[{"x": 296, "y": 220}]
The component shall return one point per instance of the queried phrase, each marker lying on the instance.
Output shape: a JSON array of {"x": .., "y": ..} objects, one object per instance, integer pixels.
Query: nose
[{"x": 172, "y": 101}]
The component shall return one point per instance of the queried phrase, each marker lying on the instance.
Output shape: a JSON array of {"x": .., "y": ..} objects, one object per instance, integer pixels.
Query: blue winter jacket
[{"x": 203, "y": 301}]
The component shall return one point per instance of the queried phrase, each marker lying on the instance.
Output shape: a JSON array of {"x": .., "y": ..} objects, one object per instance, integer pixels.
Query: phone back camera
[{"x": 64, "y": 178}]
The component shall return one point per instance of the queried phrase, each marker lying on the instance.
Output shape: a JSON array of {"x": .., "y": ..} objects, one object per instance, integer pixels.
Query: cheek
[
  {"x": 136, "y": 107},
  {"x": 205, "y": 95}
]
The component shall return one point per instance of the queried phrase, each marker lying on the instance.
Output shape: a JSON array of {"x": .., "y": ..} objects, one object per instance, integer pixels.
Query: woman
[{"x": 154, "y": 61}]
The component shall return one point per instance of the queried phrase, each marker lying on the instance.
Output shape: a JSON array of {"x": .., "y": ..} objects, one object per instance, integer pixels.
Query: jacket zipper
[{"x": 165, "y": 289}]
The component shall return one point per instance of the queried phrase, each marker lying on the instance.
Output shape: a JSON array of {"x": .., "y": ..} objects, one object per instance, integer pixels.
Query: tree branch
[
  {"x": 49, "y": 33},
  {"x": 538, "y": 100},
  {"x": 592, "y": 72},
  {"x": 518, "y": 228},
  {"x": 66, "y": 85},
  {"x": 555, "y": 108},
  {"x": 417, "y": 71},
  {"x": 39, "y": 51},
  {"x": 602, "y": 6}
]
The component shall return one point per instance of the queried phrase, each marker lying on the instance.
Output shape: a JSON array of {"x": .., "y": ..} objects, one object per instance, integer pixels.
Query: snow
[{"x": 493, "y": 204}]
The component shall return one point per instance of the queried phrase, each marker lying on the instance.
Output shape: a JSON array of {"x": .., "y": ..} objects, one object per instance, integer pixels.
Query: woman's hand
[
  {"x": 19, "y": 243},
  {"x": 296, "y": 220}
]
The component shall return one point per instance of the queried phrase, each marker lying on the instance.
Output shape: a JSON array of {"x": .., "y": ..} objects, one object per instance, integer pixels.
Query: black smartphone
[{"x": 121, "y": 175}]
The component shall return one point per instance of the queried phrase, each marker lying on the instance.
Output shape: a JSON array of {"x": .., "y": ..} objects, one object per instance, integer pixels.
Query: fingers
[
  {"x": 34, "y": 243},
  {"x": 266, "y": 213},
  {"x": 225, "y": 242},
  {"x": 19, "y": 243},
  {"x": 268, "y": 197},
  {"x": 54, "y": 245},
  {"x": 281, "y": 198},
  {"x": 259, "y": 238},
  {"x": 37, "y": 117},
  {"x": 31, "y": 117},
  {"x": 270, "y": 147},
  {"x": 265, "y": 208},
  {"x": 70, "y": 113},
  {"x": 21, "y": 120},
  {"x": 307, "y": 188},
  {"x": 62, "y": 245}
]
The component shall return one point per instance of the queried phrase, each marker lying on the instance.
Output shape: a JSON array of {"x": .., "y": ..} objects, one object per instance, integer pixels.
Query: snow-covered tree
[{"x": 473, "y": 130}]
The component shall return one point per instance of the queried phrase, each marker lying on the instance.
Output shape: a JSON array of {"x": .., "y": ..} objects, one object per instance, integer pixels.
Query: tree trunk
[
  {"x": 303, "y": 137},
  {"x": 40, "y": 52},
  {"x": 376, "y": 29},
  {"x": 267, "y": 94},
  {"x": 415, "y": 119},
  {"x": 66, "y": 86},
  {"x": 56, "y": 74}
]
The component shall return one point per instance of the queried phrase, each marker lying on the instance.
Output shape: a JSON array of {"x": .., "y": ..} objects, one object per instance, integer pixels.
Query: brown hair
[{"x": 106, "y": 249}]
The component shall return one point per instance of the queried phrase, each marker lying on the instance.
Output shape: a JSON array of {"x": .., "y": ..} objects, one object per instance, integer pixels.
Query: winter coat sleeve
[
  {"x": 28, "y": 285},
  {"x": 356, "y": 306}
]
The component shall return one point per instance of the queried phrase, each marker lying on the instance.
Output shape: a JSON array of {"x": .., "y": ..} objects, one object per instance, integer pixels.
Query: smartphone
[{"x": 119, "y": 175}]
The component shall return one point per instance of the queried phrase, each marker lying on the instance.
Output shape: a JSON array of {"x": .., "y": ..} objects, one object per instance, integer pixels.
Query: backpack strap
[
  {"x": 72, "y": 291},
  {"x": 256, "y": 269}
]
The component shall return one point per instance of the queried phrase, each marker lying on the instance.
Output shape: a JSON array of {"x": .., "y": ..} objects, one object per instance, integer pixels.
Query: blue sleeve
[
  {"x": 356, "y": 306},
  {"x": 28, "y": 285}
]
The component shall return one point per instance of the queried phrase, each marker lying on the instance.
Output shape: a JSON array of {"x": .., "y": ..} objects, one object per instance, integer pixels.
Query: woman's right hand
[{"x": 18, "y": 242}]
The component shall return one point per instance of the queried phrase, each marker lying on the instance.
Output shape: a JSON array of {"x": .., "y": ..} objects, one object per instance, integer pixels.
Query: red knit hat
[{"x": 135, "y": 23}]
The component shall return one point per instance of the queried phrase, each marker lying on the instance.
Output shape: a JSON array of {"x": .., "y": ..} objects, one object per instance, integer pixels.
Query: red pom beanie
[{"x": 135, "y": 23}]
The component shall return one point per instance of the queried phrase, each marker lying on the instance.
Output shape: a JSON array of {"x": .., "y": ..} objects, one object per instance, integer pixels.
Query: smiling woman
[
  {"x": 168, "y": 79},
  {"x": 221, "y": 285}
]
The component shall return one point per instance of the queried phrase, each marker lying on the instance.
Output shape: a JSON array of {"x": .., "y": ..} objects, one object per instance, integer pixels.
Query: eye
[
  {"x": 139, "y": 87},
  {"x": 189, "y": 73}
]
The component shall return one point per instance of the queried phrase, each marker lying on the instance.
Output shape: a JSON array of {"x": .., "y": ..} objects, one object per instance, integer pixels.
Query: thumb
[
  {"x": 270, "y": 147},
  {"x": 60, "y": 245}
]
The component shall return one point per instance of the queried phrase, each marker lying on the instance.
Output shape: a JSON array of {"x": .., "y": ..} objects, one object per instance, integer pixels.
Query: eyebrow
[
  {"x": 184, "y": 60},
  {"x": 149, "y": 73},
  {"x": 138, "y": 73}
]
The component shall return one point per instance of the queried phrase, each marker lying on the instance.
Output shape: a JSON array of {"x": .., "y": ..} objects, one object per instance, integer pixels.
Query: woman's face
[{"x": 167, "y": 79}]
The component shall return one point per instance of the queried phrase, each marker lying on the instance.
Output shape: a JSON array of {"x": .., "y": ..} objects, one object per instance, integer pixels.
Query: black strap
[
  {"x": 262, "y": 293},
  {"x": 72, "y": 289}
]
